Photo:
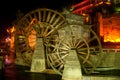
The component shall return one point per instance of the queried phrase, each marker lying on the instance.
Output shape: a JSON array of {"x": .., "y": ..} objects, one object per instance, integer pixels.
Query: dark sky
[{"x": 8, "y": 8}]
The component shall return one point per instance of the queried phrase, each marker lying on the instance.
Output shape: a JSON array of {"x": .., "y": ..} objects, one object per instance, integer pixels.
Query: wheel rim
[{"x": 95, "y": 51}]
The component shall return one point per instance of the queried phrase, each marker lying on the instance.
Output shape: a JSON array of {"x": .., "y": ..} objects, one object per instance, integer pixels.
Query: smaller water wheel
[
  {"x": 87, "y": 48},
  {"x": 39, "y": 23}
]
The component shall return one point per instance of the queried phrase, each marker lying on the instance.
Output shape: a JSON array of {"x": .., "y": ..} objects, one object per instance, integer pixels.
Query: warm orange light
[
  {"x": 110, "y": 30},
  {"x": 107, "y": 3},
  {"x": 12, "y": 42},
  {"x": 32, "y": 35},
  {"x": 111, "y": 35},
  {"x": 87, "y": 18},
  {"x": 34, "y": 20},
  {"x": 32, "y": 39},
  {"x": 100, "y": 3},
  {"x": 83, "y": 14},
  {"x": 11, "y": 30},
  {"x": 10, "y": 59}
]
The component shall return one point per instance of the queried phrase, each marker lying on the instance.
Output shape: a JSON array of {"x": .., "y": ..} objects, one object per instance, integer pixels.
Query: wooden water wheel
[
  {"x": 87, "y": 48},
  {"x": 39, "y": 23}
]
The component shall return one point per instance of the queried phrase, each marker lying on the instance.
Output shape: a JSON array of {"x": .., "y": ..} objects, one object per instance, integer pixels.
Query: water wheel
[
  {"x": 87, "y": 48},
  {"x": 39, "y": 23}
]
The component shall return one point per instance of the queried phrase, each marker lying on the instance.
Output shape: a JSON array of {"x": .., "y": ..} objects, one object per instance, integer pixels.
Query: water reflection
[
  {"x": 9, "y": 73},
  {"x": 13, "y": 72}
]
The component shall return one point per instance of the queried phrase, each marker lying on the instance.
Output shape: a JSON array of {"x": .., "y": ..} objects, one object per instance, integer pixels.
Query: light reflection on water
[{"x": 13, "y": 73}]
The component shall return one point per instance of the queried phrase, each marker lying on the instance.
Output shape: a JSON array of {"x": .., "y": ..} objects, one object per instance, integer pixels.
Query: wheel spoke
[
  {"x": 87, "y": 61},
  {"x": 93, "y": 38},
  {"x": 56, "y": 21},
  {"x": 59, "y": 24},
  {"x": 48, "y": 17},
  {"x": 66, "y": 45},
  {"x": 83, "y": 44},
  {"x": 61, "y": 67},
  {"x": 39, "y": 15},
  {"x": 82, "y": 49},
  {"x": 78, "y": 43},
  {"x": 47, "y": 28},
  {"x": 82, "y": 53},
  {"x": 52, "y": 18}
]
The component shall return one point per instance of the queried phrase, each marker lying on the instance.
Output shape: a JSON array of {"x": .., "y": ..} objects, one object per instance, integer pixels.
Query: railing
[
  {"x": 111, "y": 50},
  {"x": 107, "y": 50}
]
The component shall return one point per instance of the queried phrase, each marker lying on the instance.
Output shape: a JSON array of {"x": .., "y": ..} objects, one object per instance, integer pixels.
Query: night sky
[{"x": 9, "y": 8}]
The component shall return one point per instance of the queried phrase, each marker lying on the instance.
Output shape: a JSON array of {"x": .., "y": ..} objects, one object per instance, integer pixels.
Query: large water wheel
[
  {"x": 39, "y": 23},
  {"x": 86, "y": 44}
]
